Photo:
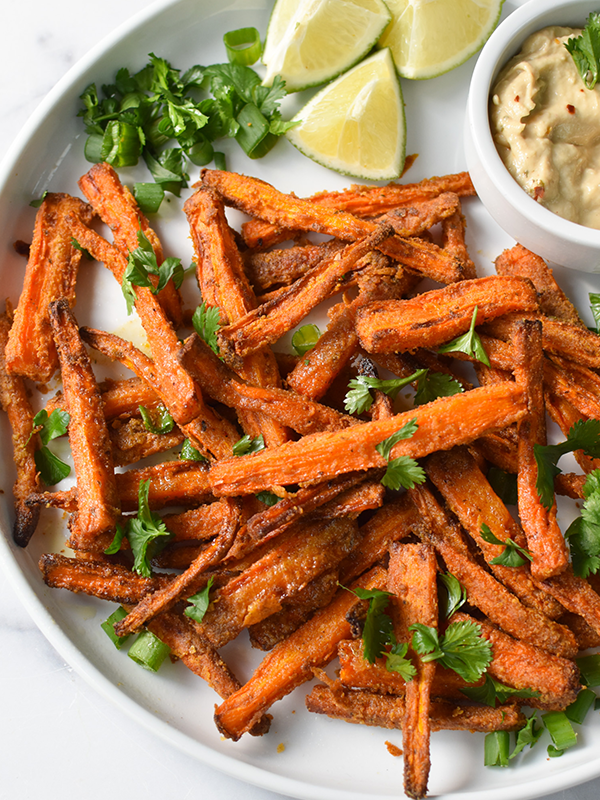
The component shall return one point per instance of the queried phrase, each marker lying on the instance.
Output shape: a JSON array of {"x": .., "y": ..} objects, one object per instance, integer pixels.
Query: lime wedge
[
  {"x": 430, "y": 37},
  {"x": 355, "y": 125},
  {"x": 312, "y": 41}
]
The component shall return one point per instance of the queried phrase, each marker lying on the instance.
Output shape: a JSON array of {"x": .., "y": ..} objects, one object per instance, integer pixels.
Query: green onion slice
[
  {"x": 148, "y": 651},
  {"x": 496, "y": 749},
  {"x": 560, "y": 730},
  {"x": 108, "y": 626},
  {"x": 243, "y": 46},
  {"x": 589, "y": 667},
  {"x": 579, "y": 708}
]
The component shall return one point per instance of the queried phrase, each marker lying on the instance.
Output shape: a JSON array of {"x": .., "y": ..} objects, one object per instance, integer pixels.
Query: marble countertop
[{"x": 58, "y": 737}]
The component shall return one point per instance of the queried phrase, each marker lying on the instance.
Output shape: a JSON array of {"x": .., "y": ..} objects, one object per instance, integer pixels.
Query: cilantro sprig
[
  {"x": 493, "y": 692},
  {"x": 146, "y": 533},
  {"x": 584, "y": 435},
  {"x": 377, "y": 630},
  {"x": 585, "y": 50},
  {"x": 583, "y": 534},
  {"x": 513, "y": 554},
  {"x": 51, "y": 468},
  {"x": 469, "y": 343},
  {"x": 248, "y": 444},
  {"x": 432, "y": 385},
  {"x": 207, "y": 322},
  {"x": 359, "y": 398},
  {"x": 461, "y": 648},
  {"x": 452, "y": 595},
  {"x": 141, "y": 263},
  {"x": 199, "y": 602},
  {"x": 402, "y": 471}
]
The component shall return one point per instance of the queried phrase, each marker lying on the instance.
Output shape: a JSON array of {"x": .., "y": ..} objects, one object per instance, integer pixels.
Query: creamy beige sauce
[{"x": 546, "y": 127}]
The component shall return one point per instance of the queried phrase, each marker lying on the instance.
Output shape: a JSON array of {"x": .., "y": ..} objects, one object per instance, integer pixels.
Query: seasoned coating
[
  {"x": 284, "y": 266},
  {"x": 98, "y": 508},
  {"x": 15, "y": 402},
  {"x": 51, "y": 273},
  {"x": 120, "y": 398}
]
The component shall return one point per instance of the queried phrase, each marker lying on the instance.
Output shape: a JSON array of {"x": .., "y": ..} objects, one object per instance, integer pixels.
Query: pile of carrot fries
[{"x": 284, "y": 534}]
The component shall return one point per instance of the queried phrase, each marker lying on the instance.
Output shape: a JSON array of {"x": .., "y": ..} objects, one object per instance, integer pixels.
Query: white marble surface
[{"x": 58, "y": 738}]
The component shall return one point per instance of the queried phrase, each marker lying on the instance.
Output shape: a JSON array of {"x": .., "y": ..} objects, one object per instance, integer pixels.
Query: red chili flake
[
  {"x": 517, "y": 98},
  {"x": 570, "y": 108},
  {"x": 538, "y": 192}
]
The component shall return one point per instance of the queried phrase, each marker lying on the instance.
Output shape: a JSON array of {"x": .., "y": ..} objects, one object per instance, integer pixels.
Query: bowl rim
[{"x": 505, "y": 42}]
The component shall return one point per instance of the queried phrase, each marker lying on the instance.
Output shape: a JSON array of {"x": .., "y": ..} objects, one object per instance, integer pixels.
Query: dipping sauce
[{"x": 546, "y": 127}]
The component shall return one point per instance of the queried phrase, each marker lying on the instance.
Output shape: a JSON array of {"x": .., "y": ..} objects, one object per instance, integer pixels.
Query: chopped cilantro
[
  {"x": 159, "y": 421},
  {"x": 453, "y": 594},
  {"x": 359, "y": 398},
  {"x": 51, "y": 468},
  {"x": 247, "y": 444},
  {"x": 141, "y": 263},
  {"x": 528, "y": 735},
  {"x": 268, "y": 498},
  {"x": 396, "y": 661},
  {"x": 190, "y": 453},
  {"x": 402, "y": 471},
  {"x": 493, "y": 691},
  {"x": 377, "y": 631},
  {"x": 432, "y": 385},
  {"x": 583, "y": 533}
]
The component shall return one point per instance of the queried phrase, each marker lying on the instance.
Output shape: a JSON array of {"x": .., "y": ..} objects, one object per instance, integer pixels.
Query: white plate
[{"x": 323, "y": 758}]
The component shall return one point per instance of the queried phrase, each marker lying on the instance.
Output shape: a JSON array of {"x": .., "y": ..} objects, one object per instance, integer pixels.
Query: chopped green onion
[
  {"x": 305, "y": 338},
  {"x": 589, "y": 667},
  {"x": 121, "y": 144},
  {"x": 496, "y": 749},
  {"x": 579, "y": 708},
  {"x": 108, "y": 626},
  {"x": 254, "y": 136},
  {"x": 220, "y": 161},
  {"x": 148, "y": 651},
  {"x": 37, "y": 203},
  {"x": 148, "y": 196},
  {"x": 190, "y": 453},
  {"x": 200, "y": 153},
  {"x": 560, "y": 730},
  {"x": 243, "y": 46}
]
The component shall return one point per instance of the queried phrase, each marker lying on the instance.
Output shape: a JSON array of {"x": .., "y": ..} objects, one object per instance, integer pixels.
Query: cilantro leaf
[
  {"x": 199, "y": 603},
  {"x": 406, "y": 432},
  {"x": 585, "y": 50},
  {"x": 268, "y": 498},
  {"x": 359, "y": 398},
  {"x": 206, "y": 322},
  {"x": 584, "y": 435},
  {"x": 432, "y": 385},
  {"x": 454, "y": 593},
  {"x": 190, "y": 453},
  {"x": 52, "y": 470},
  {"x": 159, "y": 422},
  {"x": 504, "y": 484},
  {"x": 50, "y": 427},
  {"x": 461, "y": 648},
  {"x": 378, "y": 628},
  {"x": 146, "y": 533},
  {"x": 141, "y": 263},
  {"x": 396, "y": 661},
  {"x": 493, "y": 691},
  {"x": 247, "y": 444},
  {"x": 528, "y": 735},
  {"x": 583, "y": 533},
  {"x": 513, "y": 554},
  {"x": 468, "y": 343},
  {"x": 403, "y": 472}
]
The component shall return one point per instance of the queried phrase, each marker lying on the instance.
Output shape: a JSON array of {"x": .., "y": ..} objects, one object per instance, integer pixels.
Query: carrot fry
[
  {"x": 221, "y": 384},
  {"x": 520, "y": 262},
  {"x": 470, "y": 496},
  {"x": 176, "y": 387},
  {"x": 270, "y": 321},
  {"x": 412, "y": 579},
  {"x": 223, "y": 283},
  {"x": 364, "y": 201},
  {"x": 15, "y": 402},
  {"x": 98, "y": 507},
  {"x": 579, "y": 385},
  {"x": 545, "y": 540},
  {"x": 291, "y": 662},
  {"x": 259, "y": 199},
  {"x": 119, "y": 398},
  {"x": 385, "y": 711},
  {"x": 131, "y": 441},
  {"x": 51, "y": 273},
  {"x": 436, "y": 317},
  {"x": 441, "y": 424},
  {"x": 453, "y": 241},
  {"x": 575, "y": 595},
  {"x": 211, "y": 434},
  {"x": 99, "y": 579},
  {"x": 202, "y": 523},
  {"x": 483, "y": 590},
  {"x": 297, "y": 557},
  {"x": 116, "y": 206},
  {"x": 524, "y": 666},
  {"x": 284, "y": 266}
]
